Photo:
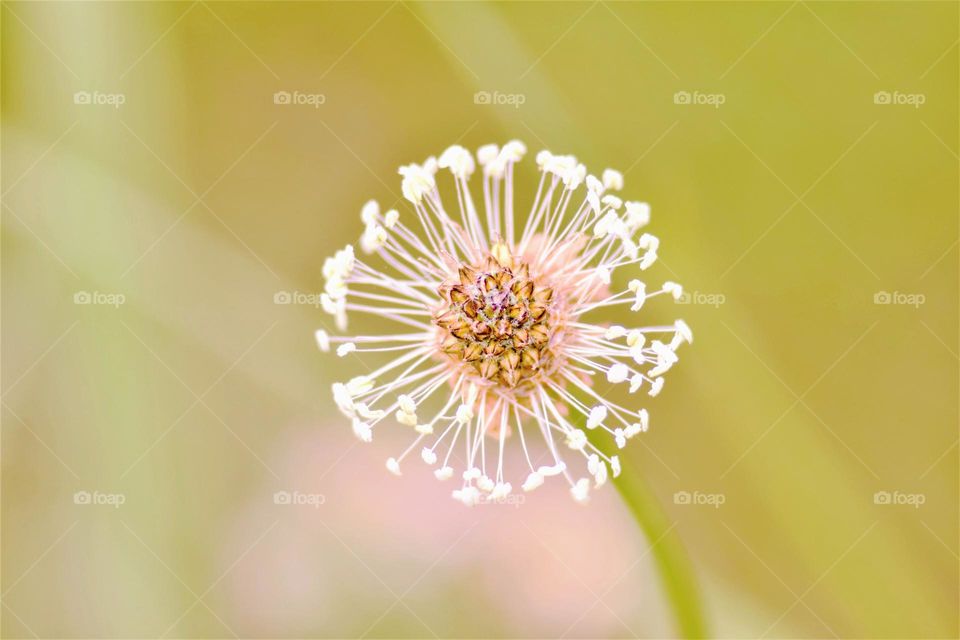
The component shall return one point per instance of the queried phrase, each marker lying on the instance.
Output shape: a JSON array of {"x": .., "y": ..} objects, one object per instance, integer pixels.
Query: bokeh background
[{"x": 806, "y": 196}]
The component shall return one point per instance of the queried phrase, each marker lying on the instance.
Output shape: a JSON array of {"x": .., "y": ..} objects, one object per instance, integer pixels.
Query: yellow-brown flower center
[{"x": 497, "y": 320}]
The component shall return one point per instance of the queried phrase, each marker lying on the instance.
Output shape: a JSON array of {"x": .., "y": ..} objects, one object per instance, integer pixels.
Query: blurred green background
[{"x": 812, "y": 216}]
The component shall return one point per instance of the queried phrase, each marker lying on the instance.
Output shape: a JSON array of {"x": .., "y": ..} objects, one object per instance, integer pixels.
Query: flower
[{"x": 499, "y": 340}]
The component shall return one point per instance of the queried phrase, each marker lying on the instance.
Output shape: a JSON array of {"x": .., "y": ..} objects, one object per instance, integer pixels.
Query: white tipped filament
[{"x": 498, "y": 339}]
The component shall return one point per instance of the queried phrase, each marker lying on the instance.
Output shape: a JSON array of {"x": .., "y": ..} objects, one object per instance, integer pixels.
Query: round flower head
[{"x": 502, "y": 347}]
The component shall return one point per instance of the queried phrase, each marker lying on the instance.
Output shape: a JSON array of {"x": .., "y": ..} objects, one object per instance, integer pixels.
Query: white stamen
[
  {"x": 597, "y": 415},
  {"x": 581, "y": 490},
  {"x": 576, "y": 440},
  {"x": 323, "y": 340},
  {"x": 618, "y": 373},
  {"x": 638, "y": 214},
  {"x": 454, "y": 363},
  {"x": 533, "y": 481},
  {"x": 612, "y": 179},
  {"x": 647, "y": 260},
  {"x": 370, "y": 212},
  {"x": 674, "y": 289},
  {"x": 362, "y": 430},
  {"x": 464, "y": 414},
  {"x": 393, "y": 466},
  {"x": 656, "y": 387},
  {"x": 614, "y": 332}
]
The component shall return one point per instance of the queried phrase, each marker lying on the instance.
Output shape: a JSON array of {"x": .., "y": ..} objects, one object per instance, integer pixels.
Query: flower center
[{"x": 496, "y": 320}]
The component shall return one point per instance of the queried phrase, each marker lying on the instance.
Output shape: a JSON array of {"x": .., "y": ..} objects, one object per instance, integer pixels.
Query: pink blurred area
[{"x": 336, "y": 566}]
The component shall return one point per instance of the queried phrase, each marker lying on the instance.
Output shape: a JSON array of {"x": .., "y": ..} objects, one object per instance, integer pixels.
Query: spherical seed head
[{"x": 497, "y": 321}]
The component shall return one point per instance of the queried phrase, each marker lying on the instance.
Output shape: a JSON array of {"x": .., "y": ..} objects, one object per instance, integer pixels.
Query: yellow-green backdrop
[{"x": 801, "y": 162}]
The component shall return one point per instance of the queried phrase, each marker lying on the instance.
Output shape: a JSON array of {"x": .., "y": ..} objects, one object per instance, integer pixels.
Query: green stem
[{"x": 676, "y": 572}]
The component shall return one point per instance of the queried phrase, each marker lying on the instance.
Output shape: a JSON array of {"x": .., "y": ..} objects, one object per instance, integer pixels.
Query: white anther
[
  {"x": 362, "y": 430},
  {"x": 554, "y": 470},
  {"x": 647, "y": 260},
  {"x": 464, "y": 414},
  {"x": 673, "y": 289},
  {"x": 638, "y": 214},
  {"x": 649, "y": 242},
  {"x": 393, "y": 466},
  {"x": 471, "y": 474},
  {"x": 370, "y": 212},
  {"x": 581, "y": 490},
  {"x": 366, "y": 413},
  {"x": 597, "y": 415},
  {"x": 418, "y": 181},
  {"x": 656, "y": 387},
  {"x": 374, "y": 237},
  {"x": 513, "y": 151},
  {"x": 593, "y": 462},
  {"x": 618, "y": 373},
  {"x": 359, "y": 385},
  {"x": 406, "y": 403},
  {"x": 600, "y": 477},
  {"x": 636, "y": 338},
  {"x": 406, "y": 419},
  {"x": 533, "y": 481},
  {"x": 323, "y": 340},
  {"x": 612, "y": 179},
  {"x": 614, "y": 331},
  {"x": 620, "y": 437},
  {"x": 577, "y": 439},
  {"x": 458, "y": 160},
  {"x": 639, "y": 289},
  {"x": 501, "y": 490},
  {"x": 487, "y": 153},
  {"x": 612, "y": 201}
]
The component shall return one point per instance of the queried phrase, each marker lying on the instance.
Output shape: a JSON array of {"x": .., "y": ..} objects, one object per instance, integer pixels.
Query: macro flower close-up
[
  {"x": 499, "y": 340},
  {"x": 375, "y": 319}
]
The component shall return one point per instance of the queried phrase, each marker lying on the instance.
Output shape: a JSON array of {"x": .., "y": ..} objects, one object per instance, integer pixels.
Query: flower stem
[{"x": 676, "y": 572}]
